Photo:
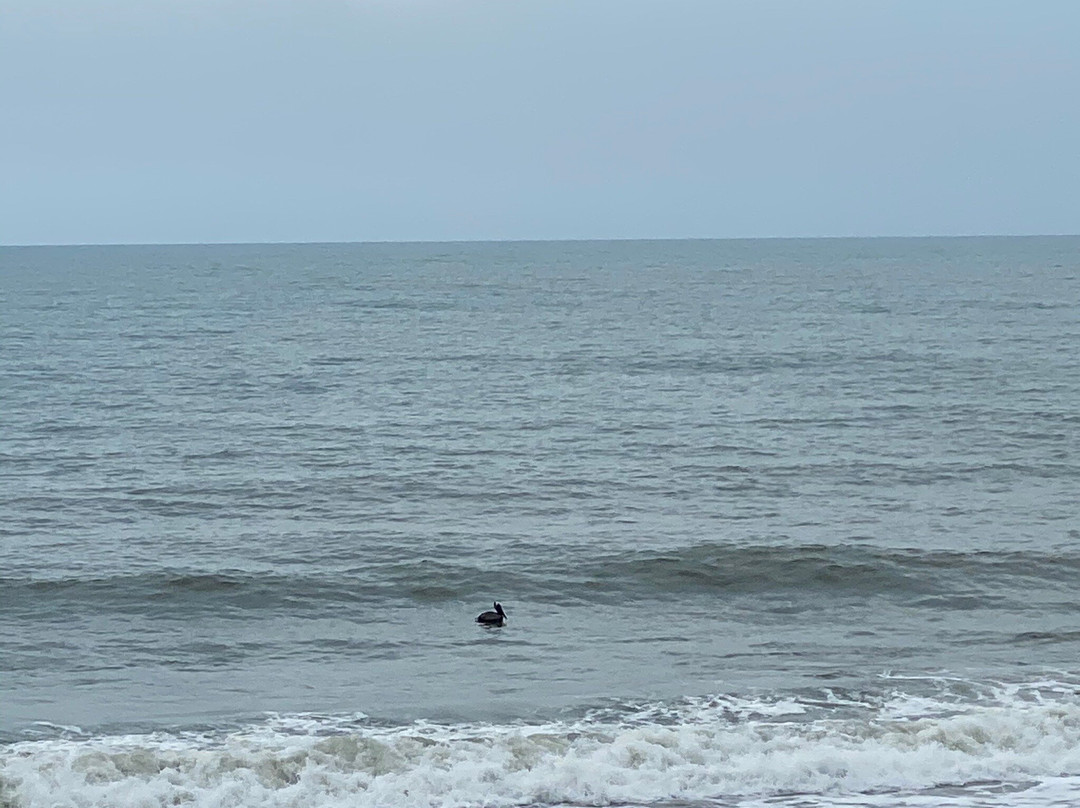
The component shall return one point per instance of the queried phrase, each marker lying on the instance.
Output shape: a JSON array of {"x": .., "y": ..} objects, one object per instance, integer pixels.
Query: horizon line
[{"x": 290, "y": 243}]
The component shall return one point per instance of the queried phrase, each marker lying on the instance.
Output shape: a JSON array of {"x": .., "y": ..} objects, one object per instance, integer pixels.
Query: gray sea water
[{"x": 785, "y": 522}]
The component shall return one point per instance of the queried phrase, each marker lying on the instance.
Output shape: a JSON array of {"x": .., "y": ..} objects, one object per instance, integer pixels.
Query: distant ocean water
[{"x": 785, "y": 523}]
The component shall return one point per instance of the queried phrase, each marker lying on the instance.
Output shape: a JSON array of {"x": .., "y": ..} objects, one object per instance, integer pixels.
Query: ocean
[{"x": 774, "y": 522}]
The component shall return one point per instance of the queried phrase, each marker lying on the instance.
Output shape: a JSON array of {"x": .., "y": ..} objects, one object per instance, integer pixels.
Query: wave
[
  {"x": 805, "y": 750},
  {"x": 934, "y": 579}
]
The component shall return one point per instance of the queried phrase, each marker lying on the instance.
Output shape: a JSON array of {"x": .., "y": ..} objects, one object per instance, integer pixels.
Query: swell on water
[{"x": 911, "y": 576}]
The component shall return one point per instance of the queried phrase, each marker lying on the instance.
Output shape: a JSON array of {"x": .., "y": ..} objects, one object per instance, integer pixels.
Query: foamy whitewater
[
  {"x": 775, "y": 523},
  {"x": 1013, "y": 745}
]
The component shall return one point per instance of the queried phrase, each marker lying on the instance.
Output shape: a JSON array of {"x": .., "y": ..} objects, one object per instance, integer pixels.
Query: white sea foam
[{"x": 1017, "y": 750}]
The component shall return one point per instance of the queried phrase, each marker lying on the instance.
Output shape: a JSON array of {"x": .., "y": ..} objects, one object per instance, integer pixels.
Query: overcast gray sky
[{"x": 353, "y": 120}]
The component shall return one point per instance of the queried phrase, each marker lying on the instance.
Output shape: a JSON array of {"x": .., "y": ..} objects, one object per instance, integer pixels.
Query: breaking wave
[{"x": 809, "y": 749}]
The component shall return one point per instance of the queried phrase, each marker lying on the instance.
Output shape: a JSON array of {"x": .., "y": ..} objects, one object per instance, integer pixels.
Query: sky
[{"x": 203, "y": 121}]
